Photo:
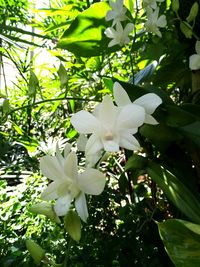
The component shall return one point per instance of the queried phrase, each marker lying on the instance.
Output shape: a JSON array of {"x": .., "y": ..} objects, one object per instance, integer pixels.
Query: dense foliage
[{"x": 63, "y": 60}]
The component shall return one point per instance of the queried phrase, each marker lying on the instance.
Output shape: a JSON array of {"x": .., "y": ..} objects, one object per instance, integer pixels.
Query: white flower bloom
[
  {"x": 117, "y": 13},
  {"x": 154, "y": 22},
  {"x": 151, "y": 3},
  {"x": 120, "y": 35},
  {"x": 49, "y": 147},
  {"x": 149, "y": 102},
  {"x": 194, "y": 60},
  {"x": 68, "y": 183},
  {"x": 110, "y": 126}
]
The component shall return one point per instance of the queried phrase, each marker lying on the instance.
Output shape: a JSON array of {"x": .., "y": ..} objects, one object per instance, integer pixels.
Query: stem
[{"x": 65, "y": 263}]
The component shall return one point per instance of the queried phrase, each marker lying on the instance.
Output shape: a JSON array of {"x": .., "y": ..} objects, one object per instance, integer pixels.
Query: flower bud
[
  {"x": 72, "y": 224},
  {"x": 175, "y": 5},
  {"x": 186, "y": 29},
  {"x": 193, "y": 12},
  {"x": 37, "y": 253},
  {"x": 46, "y": 209}
]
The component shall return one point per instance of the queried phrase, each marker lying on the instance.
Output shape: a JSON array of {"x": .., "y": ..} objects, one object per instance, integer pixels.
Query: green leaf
[
  {"x": 176, "y": 191},
  {"x": 85, "y": 37},
  {"x": 182, "y": 242},
  {"x": 33, "y": 84},
  {"x": 73, "y": 225},
  {"x": 136, "y": 162},
  {"x": 63, "y": 75}
]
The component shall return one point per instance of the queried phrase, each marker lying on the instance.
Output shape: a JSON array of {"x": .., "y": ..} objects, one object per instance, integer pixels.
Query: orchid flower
[
  {"x": 117, "y": 13},
  {"x": 194, "y": 60},
  {"x": 68, "y": 183},
  {"x": 149, "y": 102},
  {"x": 151, "y": 3},
  {"x": 120, "y": 35},
  {"x": 110, "y": 126},
  {"x": 154, "y": 22}
]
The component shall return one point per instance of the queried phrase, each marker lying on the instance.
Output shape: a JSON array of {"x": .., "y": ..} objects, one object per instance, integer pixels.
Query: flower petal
[
  {"x": 110, "y": 32},
  {"x": 149, "y": 102},
  {"x": 120, "y": 95},
  {"x": 94, "y": 145},
  {"x": 81, "y": 207},
  {"x": 111, "y": 145},
  {"x": 70, "y": 166},
  {"x": 128, "y": 141},
  {"x": 194, "y": 62},
  {"x": 129, "y": 28},
  {"x": 62, "y": 205},
  {"x": 51, "y": 192},
  {"x": 197, "y": 47},
  {"x": 107, "y": 111},
  {"x": 91, "y": 181},
  {"x": 150, "y": 120},
  {"x": 84, "y": 122},
  {"x": 51, "y": 168},
  {"x": 131, "y": 116}
]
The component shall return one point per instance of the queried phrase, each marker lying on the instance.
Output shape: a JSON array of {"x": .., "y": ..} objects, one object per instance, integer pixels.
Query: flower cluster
[
  {"x": 117, "y": 15},
  {"x": 111, "y": 127},
  {"x": 69, "y": 183},
  {"x": 154, "y": 21}
]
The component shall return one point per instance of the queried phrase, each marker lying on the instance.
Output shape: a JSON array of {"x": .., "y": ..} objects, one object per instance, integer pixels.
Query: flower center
[{"x": 108, "y": 136}]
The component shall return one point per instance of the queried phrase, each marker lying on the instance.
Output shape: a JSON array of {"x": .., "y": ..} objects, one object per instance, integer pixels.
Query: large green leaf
[
  {"x": 85, "y": 37},
  {"x": 182, "y": 242},
  {"x": 185, "y": 200}
]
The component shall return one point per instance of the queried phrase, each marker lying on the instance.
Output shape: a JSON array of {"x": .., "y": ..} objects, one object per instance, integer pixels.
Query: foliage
[{"x": 148, "y": 213}]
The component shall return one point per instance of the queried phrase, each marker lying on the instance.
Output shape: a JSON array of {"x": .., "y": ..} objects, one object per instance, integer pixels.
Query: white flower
[
  {"x": 149, "y": 102},
  {"x": 194, "y": 60},
  {"x": 110, "y": 126},
  {"x": 151, "y": 3},
  {"x": 68, "y": 183},
  {"x": 49, "y": 147},
  {"x": 117, "y": 13},
  {"x": 154, "y": 22},
  {"x": 120, "y": 35}
]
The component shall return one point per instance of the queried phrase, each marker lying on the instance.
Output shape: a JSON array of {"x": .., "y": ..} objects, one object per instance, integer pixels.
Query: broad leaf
[
  {"x": 85, "y": 37},
  {"x": 176, "y": 191},
  {"x": 182, "y": 242}
]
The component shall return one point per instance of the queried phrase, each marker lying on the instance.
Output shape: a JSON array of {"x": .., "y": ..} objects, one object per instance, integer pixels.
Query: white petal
[
  {"x": 70, "y": 166},
  {"x": 113, "y": 42},
  {"x": 107, "y": 111},
  {"x": 129, "y": 28},
  {"x": 110, "y": 15},
  {"x": 51, "y": 192},
  {"x": 119, "y": 28},
  {"x": 62, "y": 205},
  {"x": 59, "y": 155},
  {"x": 120, "y": 95},
  {"x": 51, "y": 168},
  {"x": 81, "y": 142},
  {"x": 111, "y": 145},
  {"x": 162, "y": 22},
  {"x": 149, "y": 102},
  {"x": 194, "y": 62},
  {"x": 81, "y": 207},
  {"x": 131, "y": 116},
  {"x": 94, "y": 145},
  {"x": 128, "y": 141},
  {"x": 110, "y": 32},
  {"x": 84, "y": 122},
  {"x": 91, "y": 181},
  {"x": 150, "y": 120}
]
